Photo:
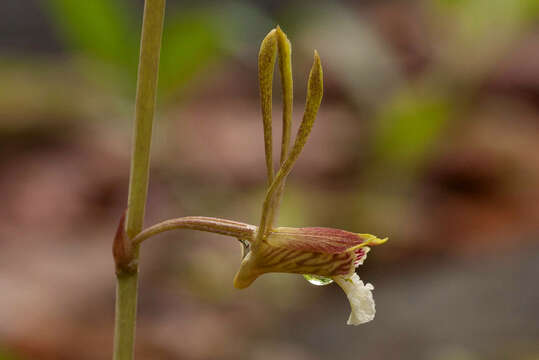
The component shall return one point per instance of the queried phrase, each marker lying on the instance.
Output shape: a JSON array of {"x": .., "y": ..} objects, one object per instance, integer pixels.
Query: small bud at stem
[{"x": 122, "y": 249}]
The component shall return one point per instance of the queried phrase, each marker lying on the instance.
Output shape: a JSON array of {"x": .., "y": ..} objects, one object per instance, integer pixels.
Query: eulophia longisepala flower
[
  {"x": 323, "y": 252},
  {"x": 319, "y": 252},
  {"x": 322, "y": 255}
]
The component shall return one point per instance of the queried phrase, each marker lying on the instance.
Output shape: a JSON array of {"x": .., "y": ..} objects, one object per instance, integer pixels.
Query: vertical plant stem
[
  {"x": 125, "y": 316},
  {"x": 150, "y": 48},
  {"x": 127, "y": 277}
]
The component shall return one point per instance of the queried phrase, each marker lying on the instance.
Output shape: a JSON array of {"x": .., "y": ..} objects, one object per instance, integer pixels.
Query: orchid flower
[{"x": 322, "y": 255}]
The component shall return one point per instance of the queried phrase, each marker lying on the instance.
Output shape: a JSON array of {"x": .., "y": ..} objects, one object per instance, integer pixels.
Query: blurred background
[{"x": 428, "y": 133}]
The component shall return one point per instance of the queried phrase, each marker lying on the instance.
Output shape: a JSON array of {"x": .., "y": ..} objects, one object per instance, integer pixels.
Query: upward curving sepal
[
  {"x": 314, "y": 98},
  {"x": 266, "y": 66},
  {"x": 315, "y": 91},
  {"x": 285, "y": 68}
]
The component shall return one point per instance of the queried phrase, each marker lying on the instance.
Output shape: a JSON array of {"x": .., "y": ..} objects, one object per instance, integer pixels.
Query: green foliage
[
  {"x": 191, "y": 40},
  {"x": 100, "y": 29},
  {"x": 531, "y": 10},
  {"x": 409, "y": 127},
  {"x": 7, "y": 355},
  {"x": 480, "y": 17},
  {"x": 107, "y": 31}
]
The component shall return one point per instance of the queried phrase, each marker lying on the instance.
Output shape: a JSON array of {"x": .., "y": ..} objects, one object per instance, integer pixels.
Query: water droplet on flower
[{"x": 318, "y": 280}]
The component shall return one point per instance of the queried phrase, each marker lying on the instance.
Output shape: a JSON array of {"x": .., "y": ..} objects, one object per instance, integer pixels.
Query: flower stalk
[
  {"x": 235, "y": 229},
  {"x": 127, "y": 264}
]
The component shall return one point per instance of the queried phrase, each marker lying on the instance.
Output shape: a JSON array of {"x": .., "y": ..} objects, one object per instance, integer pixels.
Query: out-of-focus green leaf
[
  {"x": 486, "y": 20},
  {"x": 101, "y": 29},
  {"x": 531, "y": 10},
  {"x": 191, "y": 41},
  {"x": 525, "y": 9},
  {"x": 409, "y": 127},
  {"x": 479, "y": 33},
  {"x": 5, "y": 355},
  {"x": 193, "y": 38}
]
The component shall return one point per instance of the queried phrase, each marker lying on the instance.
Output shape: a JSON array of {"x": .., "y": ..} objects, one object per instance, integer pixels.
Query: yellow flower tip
[
  {"x": 268, "y": 50},
  {"x": 280, "y": 32},
  {"x": 242, "y": 280},
  {"x": 266, "y": 60},
  {"x": 316, "y": 76},
  {"x": 239, "y": 283},
  {"x": 371, "y": 240},
  {"x": 246, "y": 274},
  {"x": 285, "y": 49},
  {"x": 382, "y": 241},
  {"x": 270, "y": 38},
  {"x": 317, "y": 63}
]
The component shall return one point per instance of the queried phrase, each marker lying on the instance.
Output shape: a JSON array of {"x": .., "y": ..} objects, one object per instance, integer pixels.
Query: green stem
[
  {"x": 150, "y": 48},
  {"x": 125, "y": 316},
  {"x": 127, "y": 279}
]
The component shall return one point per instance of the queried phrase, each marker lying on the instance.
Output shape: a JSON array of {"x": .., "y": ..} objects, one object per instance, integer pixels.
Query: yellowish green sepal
[
  {"x": 285, "y": 68},
  {"x": 266, "y": 65}
]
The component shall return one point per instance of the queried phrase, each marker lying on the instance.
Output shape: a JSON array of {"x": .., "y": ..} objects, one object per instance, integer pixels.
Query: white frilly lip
[{"x": 360, "y": 298}]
